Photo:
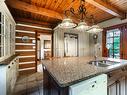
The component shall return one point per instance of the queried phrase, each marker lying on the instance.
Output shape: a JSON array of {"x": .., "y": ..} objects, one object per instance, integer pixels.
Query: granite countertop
[
  {"x": 8, "y": 60},
  {"x": 71, "y": 70}
]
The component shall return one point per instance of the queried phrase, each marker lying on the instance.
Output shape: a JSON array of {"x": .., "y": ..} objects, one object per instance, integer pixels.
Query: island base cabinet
[
  {"x": 96, "y": 85},
  {"x": 51, "y": 87},
  {"x": 93, "y": 85}
]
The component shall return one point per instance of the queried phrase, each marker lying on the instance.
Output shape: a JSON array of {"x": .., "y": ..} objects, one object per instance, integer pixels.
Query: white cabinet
[
  {"x": 94, "y": 86},
  {"x": 8, "y": 77},
  {"x": 7, "y": 32},
  {"x": 117, "y": 83}
]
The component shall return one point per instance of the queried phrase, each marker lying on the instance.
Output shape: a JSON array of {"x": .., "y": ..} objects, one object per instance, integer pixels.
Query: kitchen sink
[{"x": 103, "y": 63}]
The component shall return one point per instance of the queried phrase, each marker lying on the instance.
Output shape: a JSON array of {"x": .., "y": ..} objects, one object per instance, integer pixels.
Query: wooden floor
[{"x": 29, "y": 84}]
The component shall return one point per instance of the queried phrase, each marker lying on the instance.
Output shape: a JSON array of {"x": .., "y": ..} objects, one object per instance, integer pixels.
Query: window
[{"x": 113, "y": 43}]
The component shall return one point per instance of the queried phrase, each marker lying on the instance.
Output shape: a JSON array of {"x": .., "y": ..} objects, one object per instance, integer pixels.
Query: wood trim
[
  {"x": 26, "y": 69},
  {"x": 33, "y": 22},
  {"x": 27, "y": 56},
  {"x": 30, "y": 62},
  {"x": 36, "y": 51},
  {"x": 32, "y": 26},
  {"x": 104, "y": 49},
  {"x": 22, "y": 31},
  {"x": 27, "y": 44},
  {"x": 28, "y": 50}
]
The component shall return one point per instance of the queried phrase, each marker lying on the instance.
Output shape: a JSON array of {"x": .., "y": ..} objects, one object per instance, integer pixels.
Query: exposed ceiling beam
[
  {"x": 24, "y": 20},
  {"x": 107, "y": 8},
  {"x": 34, "y": 9},
  {"x": 37, "y": 10}
]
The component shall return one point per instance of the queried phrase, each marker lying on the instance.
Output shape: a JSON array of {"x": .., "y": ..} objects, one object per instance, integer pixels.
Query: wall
[
  {"x": 112, "y": 22},
  {"x": 83, "y": 40},
  {"x": 93, "y": 47},
  {"x": 27, "y": 50},
  {"x": 108, "y": 23},
  {"x": 42, "y": 38}
]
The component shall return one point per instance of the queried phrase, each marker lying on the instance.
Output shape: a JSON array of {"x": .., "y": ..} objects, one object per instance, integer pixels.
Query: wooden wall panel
[
  {"x": 24, "y": 47},
  {"x": 27, "y": 50},
  {"x": 27, "y": 63},
  {"x": 26, "y": 59},
  {"x": 26, "y": 53},
  {"x": 25, "y": 72},
  {"x": 22, "y": 66},
  {"x": 25, "y": 34},
  {"x": 20, "y": 41}
]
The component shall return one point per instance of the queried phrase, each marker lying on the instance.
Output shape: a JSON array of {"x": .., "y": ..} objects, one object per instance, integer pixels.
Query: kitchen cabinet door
[
  {"x": 1, "y": 34},
  {"x": 117, "y": 88}
]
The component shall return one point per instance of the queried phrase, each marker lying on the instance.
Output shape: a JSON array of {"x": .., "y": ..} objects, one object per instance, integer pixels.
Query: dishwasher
[{"x": 93, "y": 86}]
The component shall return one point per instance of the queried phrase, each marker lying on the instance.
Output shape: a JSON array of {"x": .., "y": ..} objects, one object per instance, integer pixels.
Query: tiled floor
[{"x": 29, "y": 85}]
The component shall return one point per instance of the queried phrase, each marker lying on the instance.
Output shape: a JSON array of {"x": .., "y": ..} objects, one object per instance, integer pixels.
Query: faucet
[
  {"x": 95, "y": 57},
  {"x": 96, "y": 62}
]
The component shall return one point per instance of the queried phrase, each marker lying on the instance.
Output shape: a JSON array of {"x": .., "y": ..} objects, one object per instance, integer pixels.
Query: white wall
[
  {"x": 108, "y": 23},
  {"x": 83, "y": 42},
  {"x": 42, "y": 38},
  {"x": 112, "y": 22},
  {"x": 86, "y": 45}
]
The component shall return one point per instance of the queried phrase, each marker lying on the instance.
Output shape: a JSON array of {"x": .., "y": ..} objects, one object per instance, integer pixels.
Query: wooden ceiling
[{"x": 51, "y": 12}]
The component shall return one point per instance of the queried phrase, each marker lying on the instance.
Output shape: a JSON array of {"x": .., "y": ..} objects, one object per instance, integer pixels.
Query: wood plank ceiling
[{"x": 51, "y": 11}]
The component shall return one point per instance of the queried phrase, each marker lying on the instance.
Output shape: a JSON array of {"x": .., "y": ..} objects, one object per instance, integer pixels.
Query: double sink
[{"x": 103, "y": 63}]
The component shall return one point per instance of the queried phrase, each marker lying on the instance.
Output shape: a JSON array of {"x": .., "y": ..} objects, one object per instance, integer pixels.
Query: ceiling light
[
  {"x": 95, "y": 29},
  {"x": 82, "y": 26},
  {"x": 67, "y": 23}
]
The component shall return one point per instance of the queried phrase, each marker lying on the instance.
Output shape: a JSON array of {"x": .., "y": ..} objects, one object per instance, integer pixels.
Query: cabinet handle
[
  {"x": 8, "y": 66},
  {"x": 93, "y": 86},
  {"x": 12, "y": 63}
]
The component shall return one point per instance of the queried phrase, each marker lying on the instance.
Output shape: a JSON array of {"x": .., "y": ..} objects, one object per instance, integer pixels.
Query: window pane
[
  {"x": 110, "y": 46},
  {"x": 117, "y": 39},
  {"x": 117, "y": 33},
  {"x": 109, "y": 40},
  {"x": 109, "y": 34},
  {"x": 110, "y": 52},
  {"x": 116, "y": 46},
  {"x": 113, "y": 43}
]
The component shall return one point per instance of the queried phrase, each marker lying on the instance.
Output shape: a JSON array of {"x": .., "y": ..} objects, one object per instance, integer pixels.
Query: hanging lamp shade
[
  {"x": 94, "y": 29},
  {"x": 82, "y": 26},
  {"x": 67, "y": 23}
]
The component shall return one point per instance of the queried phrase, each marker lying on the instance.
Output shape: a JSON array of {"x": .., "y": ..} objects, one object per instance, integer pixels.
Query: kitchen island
[{"x": 61, "y": 73}]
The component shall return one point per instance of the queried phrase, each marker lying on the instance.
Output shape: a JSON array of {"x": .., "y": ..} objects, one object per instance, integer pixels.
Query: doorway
[
  {"x": 44, "y": 48},
  {"x": 70, "y": 45}
]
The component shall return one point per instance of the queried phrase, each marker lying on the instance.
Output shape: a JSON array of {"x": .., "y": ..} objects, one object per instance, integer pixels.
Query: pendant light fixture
[
  {"x": 94, "y": 28},
  {"x": 67, "y": 23},
  {"x": 81, "y": 13}
]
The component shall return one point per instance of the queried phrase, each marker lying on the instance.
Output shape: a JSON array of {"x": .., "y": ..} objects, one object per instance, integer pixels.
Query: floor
[{"x": 29, "y": 84}]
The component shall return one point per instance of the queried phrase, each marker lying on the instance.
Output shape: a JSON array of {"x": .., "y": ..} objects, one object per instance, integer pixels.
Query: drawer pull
[
  {"x": 93, "y": 86},
  {"x": 8, "y": 66},
  {"x": 12, "y": 63}
]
